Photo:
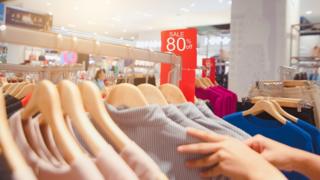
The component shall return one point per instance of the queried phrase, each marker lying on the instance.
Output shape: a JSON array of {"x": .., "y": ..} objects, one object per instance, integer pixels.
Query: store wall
[
  {"x": 15, "y": 54},
  {"x": 260, "y": 32}
]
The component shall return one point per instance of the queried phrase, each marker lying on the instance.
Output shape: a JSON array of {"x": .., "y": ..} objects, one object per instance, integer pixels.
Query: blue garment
[
  {"x": 289, "y": 134},
  {"x": 314, "y": 133}
]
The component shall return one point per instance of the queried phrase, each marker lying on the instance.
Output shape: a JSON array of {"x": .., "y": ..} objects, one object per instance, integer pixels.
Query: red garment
[{"x": 26, "y": 99}]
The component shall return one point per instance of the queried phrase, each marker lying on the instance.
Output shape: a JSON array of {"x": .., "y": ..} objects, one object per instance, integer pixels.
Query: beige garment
[
  {"x": 144, "y": 167},
  {"x": 39, "y": 143},
  {"x": 109, "y": 163},
  {"x": 81, "y": 169},
  {"x": 26, "y": 174}
]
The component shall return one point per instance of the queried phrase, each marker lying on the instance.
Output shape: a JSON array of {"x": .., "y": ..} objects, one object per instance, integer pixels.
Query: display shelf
[{"x": 306, "y": 59}]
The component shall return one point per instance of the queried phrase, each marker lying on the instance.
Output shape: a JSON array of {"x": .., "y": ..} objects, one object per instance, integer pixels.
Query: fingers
[
  {"x": 199, "y": 148},
  {"x": 216, "y": 171},
  {"x": 204, "y": 136},
  {"x": 204, "y": 162}
]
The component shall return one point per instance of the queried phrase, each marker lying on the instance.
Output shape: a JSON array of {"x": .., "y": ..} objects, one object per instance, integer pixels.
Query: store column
[{"x": 260, "y": 37}]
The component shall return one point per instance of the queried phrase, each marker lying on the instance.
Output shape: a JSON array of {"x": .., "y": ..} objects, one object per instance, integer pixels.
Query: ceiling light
[
  {"x": 124, "y": 30},
  {"x": 230, "y": 2},
  {"x": 48, "y": 4},
  {"x": 184, "y": 10},
  {"x": 106, "y": 32},
  {"x": 59, "y": 36},
  {"x": 220, "y": 1},
  {"x": 108, "y": 1},
  {"x": 95, "y": 34},
  {"x": 62, "y": 28},
  {"x": 132, "y": 37},
  {"x": 76, "y": 8},
  {"x": 50, "y": 13},
  {"x": 3, "y": 27},
  {"x": 75, "y": 38},
  {"x": 308, "y": 12},
  {"x": 193, "y": 4},
  {"x": 97, "y": 42}
]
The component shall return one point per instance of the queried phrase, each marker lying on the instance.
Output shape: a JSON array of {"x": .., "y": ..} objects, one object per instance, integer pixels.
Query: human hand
[
  {"x": 229, "y": 157},
  {"x": 280, "y": 155}
]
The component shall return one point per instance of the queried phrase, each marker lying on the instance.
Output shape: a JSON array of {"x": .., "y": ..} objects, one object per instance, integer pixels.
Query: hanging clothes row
[
  {"x": 304, "y": 90},
  {"x": 66, "y": 132},
  {"x": 222, "y": 100},
  {"x": 267, "y": 118}
]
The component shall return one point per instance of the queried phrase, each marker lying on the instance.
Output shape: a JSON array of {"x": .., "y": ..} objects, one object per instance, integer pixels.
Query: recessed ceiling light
[
  {"x": 193, "y": 4},
  {"x": 50, "y": 13},
  {"x": 308, "y": 12},
  {"x": 76, "y": 8},
  {"x": 230, "y": 2},
  {"x": 106, "y": 32},
  {"x": 48, "y": 4},
  {"x": 75, "y": 38},
  {"x": 3, "y": 27},
  {"x": 220, "y": 1},
  {"x": 132, "y": 37}
]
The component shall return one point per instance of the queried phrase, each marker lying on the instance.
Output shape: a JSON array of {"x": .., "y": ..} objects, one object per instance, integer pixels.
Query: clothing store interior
[{"x": 159, "y": 90}]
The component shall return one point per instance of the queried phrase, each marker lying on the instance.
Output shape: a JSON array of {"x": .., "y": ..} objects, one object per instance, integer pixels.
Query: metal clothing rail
[
  {"x": 45, "y": 72},
  {"x": 57, "y": 41}
]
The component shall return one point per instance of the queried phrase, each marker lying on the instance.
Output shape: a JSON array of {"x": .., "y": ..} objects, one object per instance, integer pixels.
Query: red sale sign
[{"x": 182, "y": 42}]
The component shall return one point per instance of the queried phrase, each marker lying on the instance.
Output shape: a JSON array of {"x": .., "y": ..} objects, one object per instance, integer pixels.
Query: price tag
[{"x": 182, "y": 42}]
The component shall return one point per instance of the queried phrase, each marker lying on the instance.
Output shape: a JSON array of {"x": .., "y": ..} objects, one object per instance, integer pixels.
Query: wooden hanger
[
  {"x": 11, "y": 87},
  {"x": 10, "y": 150},
  {"x": 295, "y": 83},
  {"x": 172, "y": 94},
  {"x": 127, "y": 95},
  {"x": 6, "y": 86},
  {"x": 27, "y": 89},
  {"x": 199, "y": 84},
  {"x": 209, "y": 82},
  {"x": 152, "y": 94},
  {"x": 93, "y": 104},
  {"x": 265, "y": 106},
  {"x": 18, "y": 88},
  {"x": 283, "y": 102},
  {"x": 45, "y": 99},
  {"x": 204, "y": 82},
  {"x": 72, "y": 106},
  {"x": 283, "y": 112}
]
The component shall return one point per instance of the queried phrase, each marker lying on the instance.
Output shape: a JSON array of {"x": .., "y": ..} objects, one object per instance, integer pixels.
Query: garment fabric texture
[
  {"x": 216, "y": 125},
  {"x": 289, "y": 134},
  {"x": 159, "y": 136},
  {"x": 109, "y": 162},
  {"x": 223, "y": 101},
  {"x": 314, "y": 133},
  {"x": 82, "y": 168},
  {"x": 212, "y": 117}
]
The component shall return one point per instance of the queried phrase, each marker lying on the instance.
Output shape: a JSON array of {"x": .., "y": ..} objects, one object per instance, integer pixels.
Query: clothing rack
[{"x": 44, "y": 72}]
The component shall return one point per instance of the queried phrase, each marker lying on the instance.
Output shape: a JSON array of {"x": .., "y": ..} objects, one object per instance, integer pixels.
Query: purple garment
[
  {"x": 232, "y": 99},
  {"x": 216, "y": 100},
  {"x": 226, "y": 99}
]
